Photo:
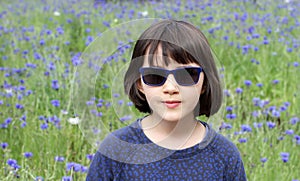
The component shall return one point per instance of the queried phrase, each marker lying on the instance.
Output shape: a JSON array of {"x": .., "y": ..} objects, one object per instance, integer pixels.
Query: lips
[{"x": 172, "y": 104}]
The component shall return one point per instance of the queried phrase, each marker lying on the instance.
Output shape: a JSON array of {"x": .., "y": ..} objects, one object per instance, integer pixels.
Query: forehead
[{"x": 163, "y": 54}]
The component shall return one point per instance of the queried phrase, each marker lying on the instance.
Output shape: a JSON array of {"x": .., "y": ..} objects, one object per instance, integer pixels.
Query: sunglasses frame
[{"x": 167, "y": 73}]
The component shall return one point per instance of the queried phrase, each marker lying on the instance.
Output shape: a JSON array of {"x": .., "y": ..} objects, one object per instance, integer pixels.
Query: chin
[{"x": 172, "y": 118}]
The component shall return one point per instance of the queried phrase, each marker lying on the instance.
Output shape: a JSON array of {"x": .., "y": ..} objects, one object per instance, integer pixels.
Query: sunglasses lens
[
  {"x": 154, "y": 77},
  {"x": 187, "y": 76},
  {"x": 184, "y": 76}
]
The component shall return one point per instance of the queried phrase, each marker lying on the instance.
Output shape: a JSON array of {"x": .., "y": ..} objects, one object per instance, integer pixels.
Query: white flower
[
  {"x": 64, "y": 112},
  {"x": 74, "y": 121},
  {"x": 56, "y": 13},
  {"x": 8, "y": 90},
  {"x": 144, "y": 13}
]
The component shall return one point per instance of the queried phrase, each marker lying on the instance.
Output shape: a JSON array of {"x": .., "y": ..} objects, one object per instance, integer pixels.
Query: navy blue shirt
[{"x": 128, "y": 154}]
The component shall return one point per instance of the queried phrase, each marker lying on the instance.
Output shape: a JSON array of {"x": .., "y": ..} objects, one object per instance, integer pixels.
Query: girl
[{"x": 172, "y": 76}]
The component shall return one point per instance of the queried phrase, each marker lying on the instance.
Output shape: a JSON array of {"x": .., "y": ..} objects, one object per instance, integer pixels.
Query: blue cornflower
[
  {"x": 59, "y": 159},
  {"x": 44, "y": 126},
  {"x": 4, "y": 145},
  {"x": 276, "y": 113},
  {"x": 245, "y": 49},
  {"x": 7, "y": 121},
  {"x": 287, "y": 104},
  {"x": 272, "y": 108},
  {"x": 90, "y": 103},
  {"x": 84, "y": 169},
  {"x": 256, "y": 101},
  {"x": 90, "y": 156},
  {"x": 106, "y": 23},
  {"x": 19, "y": 106},
  {"x": 22, "y": 88},
  {"x": 296, "y": 64},
  {"x": 243, "y": 140},
  {"x": 89, "y": 40},
  {"x": 271, "y": 125},
  {"x": 283, "y": 108},
  {"x": 229, "y": 109},
  {"x": 51, "y": 66},
  {"x": 255, "y": 113},
  {"x": 99, "y": 114},
  {"x": 280, "y": 138},
  {"x": 227, "y": 93},
  {"x": 19, "y": 97},
  {"x": 289, "y": 132},
  {"x": 239, "y": 90},
  {"x": 23, "y": 124},
  {"x": 226, "y": 126},
  {"x": 66, "y": 178},
  {"x": 259, "y": 84},
  {"x": 88, "y": 30},
  {"x": 231, "y": 116},
  {"x": 108, "y": 104},
  {"x": 55, "y": 84},
  {"x": 248, "y": 83},
  {"x": 285, "y": 156},
  {"x": 42, "y": 42},
  {"x": 28, "y": 154},
  {"x": 129, "y": 103},
  {"x": 297, "y": 138},
  {"x": 263, "y": 103},
  {"x": 72, "y": 165},
  {"x": 60, "y": 30},
  {"x": 55, "y": 103},
  {"x": 100, "y": 104},
  {"x": 263, "y": 160},
  {"x": 255, "y": 35},
  {"x": 294, "y": 120},
  {"x": 289, "y": 49},
  {"x": 13, "y": 163},
  {"x": 121, "y": 102},
  {"x": 265, "y": 41},
  {"x": 275, "y": 81},
  {"x": 125, "y": 118},
  {"x": 37, "y": 56},
  {"x": 116, "y": 95},
  {"x": 39, "y": 178},
  {"x": 257, "y": 125},
  {"x": 246, "y": 128}
]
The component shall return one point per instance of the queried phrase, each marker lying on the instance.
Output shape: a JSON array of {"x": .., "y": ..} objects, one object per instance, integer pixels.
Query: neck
[{"x": 173, "y": 134}]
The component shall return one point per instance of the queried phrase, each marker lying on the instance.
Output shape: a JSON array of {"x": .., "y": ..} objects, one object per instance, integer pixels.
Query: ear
[
  {"x": 203, "y": 89},
  {"x": 204, "y": 85},
  {"x": 139, "y": 86}
]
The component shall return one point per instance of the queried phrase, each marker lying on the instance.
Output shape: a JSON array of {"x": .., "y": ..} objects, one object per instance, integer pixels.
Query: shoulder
[
  {"x": 225, "y": 149},
  {"x": 130, "y": 133},
  {"x": 228, "y": 153},
  {"x": 119, "y": 144}
]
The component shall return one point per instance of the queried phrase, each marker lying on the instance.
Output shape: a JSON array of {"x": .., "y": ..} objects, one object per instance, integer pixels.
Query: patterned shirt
[{"x": 128, "y": 154}]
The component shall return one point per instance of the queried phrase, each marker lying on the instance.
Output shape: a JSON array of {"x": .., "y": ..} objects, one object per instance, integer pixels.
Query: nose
[{"x": 170, "y": 86}]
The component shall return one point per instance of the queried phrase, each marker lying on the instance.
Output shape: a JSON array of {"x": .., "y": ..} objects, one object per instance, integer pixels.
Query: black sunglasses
[{"x": 185, "y": 76}]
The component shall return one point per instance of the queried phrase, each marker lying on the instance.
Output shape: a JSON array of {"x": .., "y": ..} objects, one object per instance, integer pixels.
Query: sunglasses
[{"x": 185, "y": 76}]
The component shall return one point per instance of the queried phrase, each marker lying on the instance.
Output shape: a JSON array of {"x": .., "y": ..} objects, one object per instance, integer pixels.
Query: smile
[{"x": 172, "y": 104}]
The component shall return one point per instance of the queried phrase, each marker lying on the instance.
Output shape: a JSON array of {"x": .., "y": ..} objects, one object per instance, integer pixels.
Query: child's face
[{"x": 171, "y": 101}]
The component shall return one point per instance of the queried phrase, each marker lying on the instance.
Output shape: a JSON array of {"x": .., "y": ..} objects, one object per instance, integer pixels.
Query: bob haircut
[{"x": 184, "y": 43}]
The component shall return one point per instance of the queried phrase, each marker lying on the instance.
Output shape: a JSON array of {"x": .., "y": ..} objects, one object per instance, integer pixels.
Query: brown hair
[{"x": 184, "y": 43}]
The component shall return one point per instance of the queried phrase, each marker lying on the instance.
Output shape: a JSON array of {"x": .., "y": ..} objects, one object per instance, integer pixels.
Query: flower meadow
[{"x": 41, "y": 42}]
